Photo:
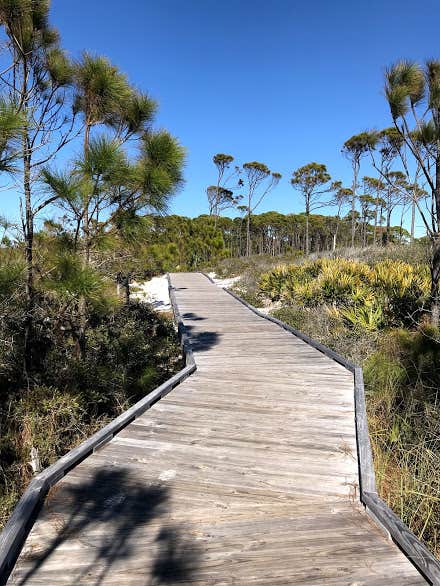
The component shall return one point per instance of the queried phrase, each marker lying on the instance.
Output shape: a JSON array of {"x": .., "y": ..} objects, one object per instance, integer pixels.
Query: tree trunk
[
  {"x": 387, "y": 235},
  {"x": 28, "y": 226},
  {"x": 248, "y": 231},
  {"x": 376, "y": 209},
  {"x": 307, "y": 230},
  {"x": 435, "y": 259},
  {"x": 401, "y": 226},
  {"x": 29, "y": 259},
  {"x": 435, "y": 278},
  {"x": 127, "y": 288},
  {"x": 353, "y": 202},
  {"x": 413, "y": 218}
]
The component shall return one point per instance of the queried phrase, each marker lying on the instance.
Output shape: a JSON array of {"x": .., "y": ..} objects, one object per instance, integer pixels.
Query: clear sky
[{"x": 279, "y": 81}]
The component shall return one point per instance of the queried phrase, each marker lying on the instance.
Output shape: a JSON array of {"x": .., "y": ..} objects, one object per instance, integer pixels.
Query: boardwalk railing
[
  {"x": 19, "y": 524},
  {"x": 427, "y": 564}
]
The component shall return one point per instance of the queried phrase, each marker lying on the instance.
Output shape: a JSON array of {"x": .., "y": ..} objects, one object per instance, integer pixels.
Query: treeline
[{"x": 177, "y": 242}]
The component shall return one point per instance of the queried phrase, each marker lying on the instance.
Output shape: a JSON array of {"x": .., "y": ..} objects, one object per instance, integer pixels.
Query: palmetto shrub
[{"x": 370, "y": 297}]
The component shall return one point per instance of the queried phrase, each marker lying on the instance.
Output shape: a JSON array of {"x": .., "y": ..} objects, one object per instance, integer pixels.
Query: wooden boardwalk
[{"x": 246, "y": 473}]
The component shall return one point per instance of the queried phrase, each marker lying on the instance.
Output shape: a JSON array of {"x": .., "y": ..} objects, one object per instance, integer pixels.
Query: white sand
[
  {"x": 227, "y": 283},
  {"x": 154, "y": 291}
]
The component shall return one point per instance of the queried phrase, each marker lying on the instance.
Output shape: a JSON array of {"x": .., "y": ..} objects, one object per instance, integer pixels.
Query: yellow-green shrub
[{"x": 388, "y": 293}]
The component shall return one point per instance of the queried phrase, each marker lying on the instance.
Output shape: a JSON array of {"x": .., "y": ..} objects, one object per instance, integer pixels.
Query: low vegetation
[{"x": 130, "y": 351}]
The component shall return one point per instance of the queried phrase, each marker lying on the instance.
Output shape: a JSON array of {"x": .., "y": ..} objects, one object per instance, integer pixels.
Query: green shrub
[{"x": 129, "y": 352}]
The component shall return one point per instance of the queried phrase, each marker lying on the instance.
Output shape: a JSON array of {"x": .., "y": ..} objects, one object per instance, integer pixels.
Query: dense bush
[{"x": 370, "y": 297}]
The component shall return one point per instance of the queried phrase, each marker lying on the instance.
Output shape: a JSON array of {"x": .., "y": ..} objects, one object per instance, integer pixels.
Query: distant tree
[
  {"x": 220, "y": 196},
  {"x": 375, "y": 187},
  {"x": 312, "y": 181},
  {"x": 354, "y": 149},
  {"x": 367, "y": 204},
  {"x": 394, "y": 193},
  {"x": 220, "y": 199},
  {"x": 342, "y": 197},
  {"x": 416, "y": 196},
  {"x": 259, "y": 182}
]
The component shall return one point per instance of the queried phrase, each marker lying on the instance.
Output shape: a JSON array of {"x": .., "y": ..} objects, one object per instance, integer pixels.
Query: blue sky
[{"x": 282, "y": 82}]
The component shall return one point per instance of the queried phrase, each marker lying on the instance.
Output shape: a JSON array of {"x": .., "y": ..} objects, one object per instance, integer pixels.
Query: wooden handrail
[{"x": 20, "y": 522}]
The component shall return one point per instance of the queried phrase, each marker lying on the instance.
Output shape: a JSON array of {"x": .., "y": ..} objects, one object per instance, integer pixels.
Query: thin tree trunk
[
  {"x": 401, "y": 225},
  {"x": 387, "y": 237},
  {"x": 307, "y": 231},
  {"x": 435, "y": 262},
  {"x": 248, "y": 230},
  {"x": 435, "y": 278},
  {"x": 29, "y": 258},
  {"x": 28, "y": 236},
  {"x": 376, "y": 210},
  {"x": 353, "y": 202},
  {"x": 413, "y": 218}
]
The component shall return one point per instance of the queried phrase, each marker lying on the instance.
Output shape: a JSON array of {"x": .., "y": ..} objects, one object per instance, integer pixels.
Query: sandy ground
[
  {"x": 226, "y": 283},
  {"x": 154, "y": 291}
]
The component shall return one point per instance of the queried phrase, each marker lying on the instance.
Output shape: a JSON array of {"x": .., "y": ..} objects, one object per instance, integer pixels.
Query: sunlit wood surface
[{"x": 246, "y": 473}]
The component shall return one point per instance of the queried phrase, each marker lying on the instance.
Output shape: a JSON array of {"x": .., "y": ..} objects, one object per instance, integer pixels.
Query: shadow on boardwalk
[
  {"x": 105, "y": 513},
  {"x": 201, "y": 341}
]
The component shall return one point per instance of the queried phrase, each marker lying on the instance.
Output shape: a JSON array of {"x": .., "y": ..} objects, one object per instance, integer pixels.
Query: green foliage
[
  {"x": 12, "y": 123},
  {"x": 101, "y": 90},
  {"x": 161, "y": 162},
  {"x": 182, "y": 243},
  {"x": 47, "y": 419},
  {"x": 131, "y": 350},
  {"x": 405, "y": 86},
  {"x": 366, "y": 317},
  {"x": 70, "y": 279},
  {"x": 357, "y": 145},
  {"x": 310, "y": 177},
  {"x": 11, "y": 277},
  {"x": 385, "y": 294}
]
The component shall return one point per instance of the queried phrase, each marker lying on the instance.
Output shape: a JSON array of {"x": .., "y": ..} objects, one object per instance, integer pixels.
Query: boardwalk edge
[
  {"x": 417, "y": 553},
  {"x": 23, "y": 516}
]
